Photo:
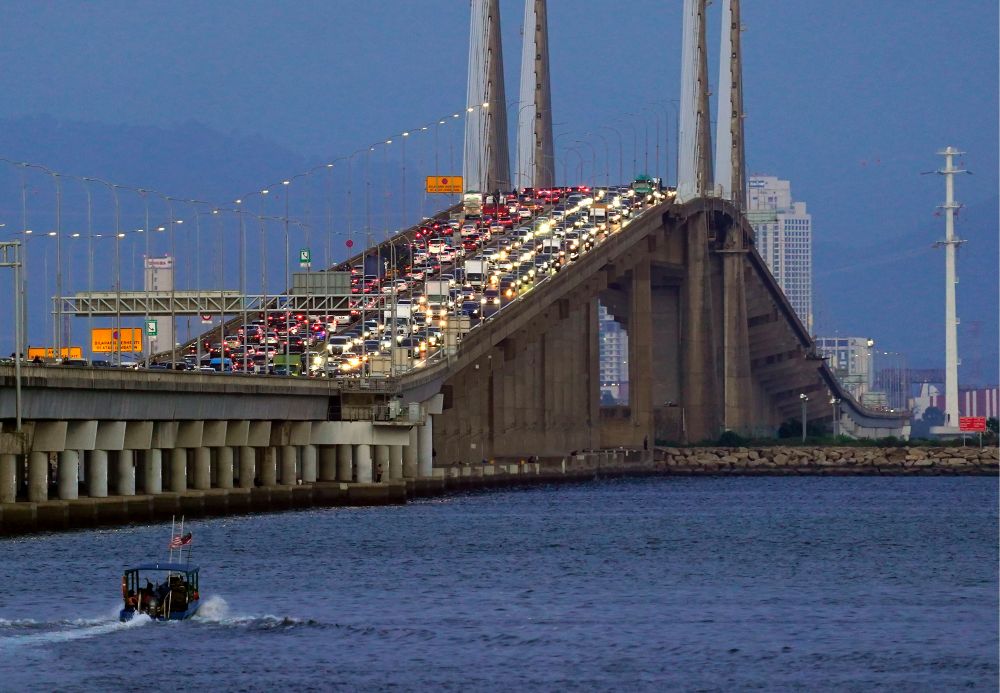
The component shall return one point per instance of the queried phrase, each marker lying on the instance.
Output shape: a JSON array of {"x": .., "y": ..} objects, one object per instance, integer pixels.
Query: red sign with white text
[{"x": 974, "y": 424}]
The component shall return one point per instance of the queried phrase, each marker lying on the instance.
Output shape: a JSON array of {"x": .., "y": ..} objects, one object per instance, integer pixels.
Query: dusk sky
[{"x": 849, "y": 100}]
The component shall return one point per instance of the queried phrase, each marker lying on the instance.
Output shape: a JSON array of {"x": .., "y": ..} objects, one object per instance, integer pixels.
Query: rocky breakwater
[{"x": 828, "y": 460}]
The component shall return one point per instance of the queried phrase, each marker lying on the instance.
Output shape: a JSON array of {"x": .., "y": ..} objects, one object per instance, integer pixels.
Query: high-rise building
[
  {"x": 784, "y": 239},
  {"x": 850, "y": 359},
  {"x": 159, "y": 277},
  {"x": 613, "y": 352}
]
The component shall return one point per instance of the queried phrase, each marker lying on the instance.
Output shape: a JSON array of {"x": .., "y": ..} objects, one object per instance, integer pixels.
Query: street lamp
[
  {"x": 621, "y": 169},
  {"x": 804, "y": 399}
]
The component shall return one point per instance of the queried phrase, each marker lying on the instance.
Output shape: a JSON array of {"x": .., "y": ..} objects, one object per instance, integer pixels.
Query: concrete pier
[
  {"x": 309, "y": 457},
  {"x": 248, "y": 466},
  {"x": 22, "y": 517},
  {"x": 125, "y": 473},
  {"x": 224, "y": 467},
  {"x": 97, "y": 474},
  {"x": 202, "y": 469},
  {"x": 8, "y": 478},
  {"x": 380, "y": 470},
  {"x": 69, "y": 475},
  {"x": 152, "y": 472},
  {"x": 395, "y": 467},
  {"x": 363, "y": 463},
  {"x": 178, "y": 470},
  {"x": 328, "y": 463},
  {"x": 345, "y": 458},
  {"x": 410, "y": 455}
]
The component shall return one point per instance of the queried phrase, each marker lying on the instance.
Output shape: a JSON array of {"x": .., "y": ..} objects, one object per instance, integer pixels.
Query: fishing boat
[{"x": 165, "y": 591}]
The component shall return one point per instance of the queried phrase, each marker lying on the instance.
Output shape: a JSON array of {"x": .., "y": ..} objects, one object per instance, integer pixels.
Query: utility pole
[{"x": 950, "y": 243}]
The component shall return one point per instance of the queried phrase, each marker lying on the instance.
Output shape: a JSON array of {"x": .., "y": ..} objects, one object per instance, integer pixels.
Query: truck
[
  {"x": 599, "y": 214},
  {"x": 475, "y": 273},
  {"x": 290, "y": 364},
  {"x": 472, "y": 205},
  {"x": 437, "y": 290}
]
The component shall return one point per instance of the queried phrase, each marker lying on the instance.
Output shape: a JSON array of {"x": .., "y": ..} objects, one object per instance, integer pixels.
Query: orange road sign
[
  {"x": 105, "y": 340},
  {"x": 444, "y": 184}
]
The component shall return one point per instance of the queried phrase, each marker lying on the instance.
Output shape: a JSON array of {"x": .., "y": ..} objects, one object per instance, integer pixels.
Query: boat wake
[
  {"x": 215, "y": 610},
  {"x": 27, "y": 632}
]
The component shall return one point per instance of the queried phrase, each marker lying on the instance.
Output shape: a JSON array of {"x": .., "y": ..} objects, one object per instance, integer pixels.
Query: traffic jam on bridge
[{"x": 456, "y": 270}]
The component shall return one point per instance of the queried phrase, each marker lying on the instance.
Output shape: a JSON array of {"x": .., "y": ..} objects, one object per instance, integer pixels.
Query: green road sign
[
  {"x": 305, "y": 257},
  {"x": 150, "y": 328}
]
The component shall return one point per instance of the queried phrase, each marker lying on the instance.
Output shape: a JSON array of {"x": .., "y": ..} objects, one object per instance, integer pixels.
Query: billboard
[
  {"x": 104, "y": 340},
  {"x": 444, "y": 184},
  {"x": 49, "y": 353}
]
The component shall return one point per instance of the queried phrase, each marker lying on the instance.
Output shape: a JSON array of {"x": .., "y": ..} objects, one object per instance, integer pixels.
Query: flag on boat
[{"x": 180, "y": 540}]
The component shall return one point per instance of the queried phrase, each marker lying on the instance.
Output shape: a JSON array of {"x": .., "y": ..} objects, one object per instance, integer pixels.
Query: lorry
[
  {"x": 599, "y": 213},
  {"x": 472, "y": 205},
  {"x": 437, "y": 290},
  {"x": 475, "y": 272}
]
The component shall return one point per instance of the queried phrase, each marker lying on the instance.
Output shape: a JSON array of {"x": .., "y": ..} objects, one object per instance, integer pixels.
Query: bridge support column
[
  {"x": 8, "y": 478},
  {"x": 425, "y": 448},
  {"x": 269, "y": 466},
  {"x": 125, "y": 473},
  {"x": 38, "y": 477},
  {"x": 288, "y": 458},
  {"x": 640, "y": 347},
  {"x": 381, "y": 469},
  {"x": 345, "y": 459},
  {"x": 328, "y": 463},
  {"x": 363, "y": 463},
  {"x": 309, "y": 454},
  {"x": 152, "y": 471},
  {"x": 248, "y": 463},
  {"x": 737, "y": 385},
  {"x": 69, "y": 475},
  {"x": 224, "y": 467},
  {"x": 178, "y": 470},
  {"x": 202, "y": 468},
  {"x": 97, "y": 474},
  {"x": 698, "y": 343},
  {"x": 395, "y": 468},
  {"x": 410, "y": 455}
]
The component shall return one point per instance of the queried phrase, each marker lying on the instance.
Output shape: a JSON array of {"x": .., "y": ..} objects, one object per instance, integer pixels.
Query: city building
[
  {"x": 850, "y": 359},
  {"x": 159, "y": 277},
  {"x": 783, "y": 231},
  {"x": 982, "y": 401},
  {"x": 614, "y": 357}
]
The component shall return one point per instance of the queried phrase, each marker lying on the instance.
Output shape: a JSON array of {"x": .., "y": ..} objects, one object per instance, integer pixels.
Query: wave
[
  {"x": 215, "y": 610},
  {"x": 42, "y": 633}
]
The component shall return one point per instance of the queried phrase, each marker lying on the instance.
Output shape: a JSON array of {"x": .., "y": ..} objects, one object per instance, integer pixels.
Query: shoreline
[{"x": 22, "y": 518}]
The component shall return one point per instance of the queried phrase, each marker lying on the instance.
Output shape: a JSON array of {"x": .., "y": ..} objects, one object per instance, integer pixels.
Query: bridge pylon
[
  {"x": 730, "y": 155},
  {"x": 486, "y": 161},
  {"x": 694, "y": 174},
  {"x": 535, "y": 166}
]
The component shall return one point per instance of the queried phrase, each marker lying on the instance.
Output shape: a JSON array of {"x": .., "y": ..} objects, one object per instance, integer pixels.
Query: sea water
[{"x": 797, "y": 583}]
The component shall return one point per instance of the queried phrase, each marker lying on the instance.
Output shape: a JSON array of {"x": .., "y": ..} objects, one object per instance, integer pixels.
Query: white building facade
[
  {"x": 783, "y": 230},
  {"x": 850, "y": 359},
  {"x": 613, "y": 352}
]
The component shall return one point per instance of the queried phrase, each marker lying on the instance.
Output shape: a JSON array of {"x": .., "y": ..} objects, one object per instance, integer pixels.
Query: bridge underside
[{"x": 712, "y": 346}]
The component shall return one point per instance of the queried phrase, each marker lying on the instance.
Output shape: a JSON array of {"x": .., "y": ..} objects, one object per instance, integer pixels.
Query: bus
[{"x": 644, "y": 184}]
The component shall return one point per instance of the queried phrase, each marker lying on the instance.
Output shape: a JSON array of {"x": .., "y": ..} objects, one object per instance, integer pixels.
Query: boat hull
[{"x": 129, "y": 614}]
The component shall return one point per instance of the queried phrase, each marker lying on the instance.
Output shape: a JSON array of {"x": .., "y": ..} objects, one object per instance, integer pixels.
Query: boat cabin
[{"x": 164, "y": 591}]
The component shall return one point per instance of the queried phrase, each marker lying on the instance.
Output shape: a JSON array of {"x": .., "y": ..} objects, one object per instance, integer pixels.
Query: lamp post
[
  {"x": 804, "y": 399},
  {"x": 593, "y": 158},
  {"x": 57, "y": 327},
  {"x": 621, "y": 168},
  {"x": 118, "y": 287},
  {"x": 10, "y": 256}
]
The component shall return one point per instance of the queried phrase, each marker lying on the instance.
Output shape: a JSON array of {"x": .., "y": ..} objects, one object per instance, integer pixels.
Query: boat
[{"x": 165, "y": 591}]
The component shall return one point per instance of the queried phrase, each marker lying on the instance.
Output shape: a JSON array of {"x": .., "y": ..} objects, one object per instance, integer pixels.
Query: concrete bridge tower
[
  {"x": 694, "y": 175},
  {"x": 730, "y": 156},
  {"x": 486, "y": 162},
  {"x": 730, "y": 183},
  {"x": 535, "y": 165}
]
